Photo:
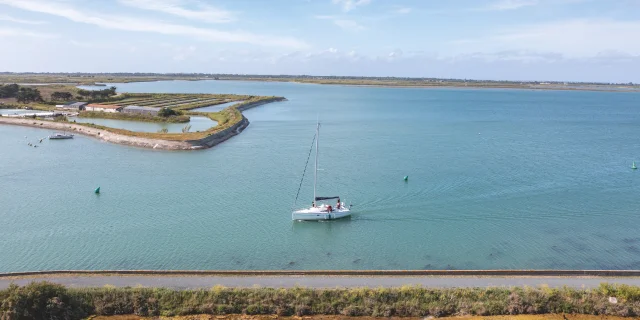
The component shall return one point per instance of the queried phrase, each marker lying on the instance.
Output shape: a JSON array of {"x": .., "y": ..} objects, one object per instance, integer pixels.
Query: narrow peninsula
[{"x": 48, "y": 107}]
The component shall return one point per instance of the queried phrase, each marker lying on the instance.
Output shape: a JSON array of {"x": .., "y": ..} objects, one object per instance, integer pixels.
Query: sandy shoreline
[{"x": 100, "y": 134}]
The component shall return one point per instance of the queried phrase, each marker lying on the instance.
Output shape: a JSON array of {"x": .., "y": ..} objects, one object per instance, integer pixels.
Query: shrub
[
  {"x": 49, "y": 301},
  {"x": 41, "y": 301}
]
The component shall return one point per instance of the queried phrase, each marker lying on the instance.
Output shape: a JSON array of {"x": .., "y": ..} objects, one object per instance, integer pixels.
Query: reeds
[{"x": 46, "y": 298}]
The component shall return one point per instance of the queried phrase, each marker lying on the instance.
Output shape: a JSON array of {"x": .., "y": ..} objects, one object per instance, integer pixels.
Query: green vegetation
[
  {"x": 44, "y": 97},
  {"x": 97, "y": 94},
  {"x": 49, "y": 301},
  {"x": 9, "y": 91},
  {"x": 21, "y": 94},
  {"x": 166, "y": 112},
  {"x": 175, "y": 118},
  {"x": 28, "y": 95},
  {"x": 61, "y": 96}
]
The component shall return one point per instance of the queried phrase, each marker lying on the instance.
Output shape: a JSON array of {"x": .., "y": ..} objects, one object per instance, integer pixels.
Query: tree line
[
  {"x": 26, "y": 94},
  {"x": 9, "y": 90},
  {"x": 22, "y": 94},
  {"x": 61, "y": 96},
  {"x": 98, "y": 94}
]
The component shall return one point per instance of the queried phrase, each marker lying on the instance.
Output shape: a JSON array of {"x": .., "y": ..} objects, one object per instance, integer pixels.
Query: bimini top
[{"x": 326, "y": 198}]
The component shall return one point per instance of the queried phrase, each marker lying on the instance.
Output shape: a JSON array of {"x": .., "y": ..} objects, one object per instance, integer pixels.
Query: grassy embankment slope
[
  {"x": 45, "y": 300},
  {"x": 133, "y": 117}
]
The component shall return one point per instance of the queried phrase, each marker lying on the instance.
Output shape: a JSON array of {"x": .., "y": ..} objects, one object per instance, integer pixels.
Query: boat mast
[{"x": 315, "y": 171}]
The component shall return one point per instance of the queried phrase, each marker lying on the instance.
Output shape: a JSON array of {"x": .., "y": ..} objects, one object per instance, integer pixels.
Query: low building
[
  {"x": 103, "y": 108},
  {"x": 77, "y": 106},
  {"x": 141, "y": 110}
]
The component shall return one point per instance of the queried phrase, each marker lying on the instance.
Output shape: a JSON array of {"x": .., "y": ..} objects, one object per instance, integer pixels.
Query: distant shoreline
[
  {"x": 456, "y": 85},
  {"x": 391, "y": 82},
  {"x": 607, "y": 88}
]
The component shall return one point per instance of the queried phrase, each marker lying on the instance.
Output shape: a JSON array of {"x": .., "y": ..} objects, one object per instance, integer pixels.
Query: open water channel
[{"x": 497, "y": 179}]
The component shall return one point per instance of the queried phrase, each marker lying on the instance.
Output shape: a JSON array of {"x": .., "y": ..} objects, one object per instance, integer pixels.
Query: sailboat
[
  {"x": 319, "y": 211},
  {"x": 633, "y": 166}
]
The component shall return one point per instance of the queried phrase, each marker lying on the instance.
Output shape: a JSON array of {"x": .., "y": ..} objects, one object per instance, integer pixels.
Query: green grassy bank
[
  {"x": 50, "y": 301},
  {"x": 133, "y": 117}
]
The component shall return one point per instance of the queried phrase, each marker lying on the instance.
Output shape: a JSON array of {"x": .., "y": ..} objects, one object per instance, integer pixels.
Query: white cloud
[
  {"x": 348, "y": 5},
  {"x": 395, "y": 54},
  {"x": 326, "y": 17},
  {"x": 13, "y": 32},
  {"x": 578, "y": 38},
  {"x": 201, "y": 11},
  {"x": 402, "y": 10},
  {"x": 518, "y": 56},
  {"x": 503, "y": 5},
  {"x": 119, "y": 22},
  {"x": 4, "y": 17},
  {"x": 184, "y": 53},
  {"x": 348, "y": 25}
]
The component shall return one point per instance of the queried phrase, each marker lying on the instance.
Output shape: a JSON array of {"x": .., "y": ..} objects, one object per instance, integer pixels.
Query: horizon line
[{"x": 314, "y": 76}]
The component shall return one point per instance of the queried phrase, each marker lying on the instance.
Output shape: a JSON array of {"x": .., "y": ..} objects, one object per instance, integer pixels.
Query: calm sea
[{"x": 497, "y": 179}]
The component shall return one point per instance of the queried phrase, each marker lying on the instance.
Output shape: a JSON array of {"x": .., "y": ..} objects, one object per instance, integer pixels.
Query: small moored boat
[{"x": 60, "y": 136}]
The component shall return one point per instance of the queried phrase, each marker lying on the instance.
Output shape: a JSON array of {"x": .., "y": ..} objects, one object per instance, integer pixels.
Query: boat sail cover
[{"x": 326, "y": 198}]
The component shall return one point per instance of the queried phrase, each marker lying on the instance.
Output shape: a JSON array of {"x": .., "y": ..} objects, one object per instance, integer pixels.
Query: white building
[
  {"x": 103, "y": 108},
  {"x": 141, "y": 110}
]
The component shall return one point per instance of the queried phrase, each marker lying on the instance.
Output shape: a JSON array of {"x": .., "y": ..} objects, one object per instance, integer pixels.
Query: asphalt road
[{"x": 192, "y": 282}]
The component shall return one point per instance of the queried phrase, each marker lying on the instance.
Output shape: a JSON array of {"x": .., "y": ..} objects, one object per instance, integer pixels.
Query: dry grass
[
  {"x": 46, "y": 91},
  {"x": 252, "y": 317},
  {"x": 50, "y": 301}
]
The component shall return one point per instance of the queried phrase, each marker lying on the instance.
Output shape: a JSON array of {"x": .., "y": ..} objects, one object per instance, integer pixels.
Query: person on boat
[
  {"x": 313, "y": 204},
  {"x": 329, "y": 209},
  {"x": 338, "y": 204}
]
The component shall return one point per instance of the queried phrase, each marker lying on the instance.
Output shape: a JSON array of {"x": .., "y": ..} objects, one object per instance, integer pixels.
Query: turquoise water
[
  {"x": 197, "y": 124},
  {"x": 497, "y": 179},
  {"x": 215, "y": 108},
  {"x": 19, "y": 111}
]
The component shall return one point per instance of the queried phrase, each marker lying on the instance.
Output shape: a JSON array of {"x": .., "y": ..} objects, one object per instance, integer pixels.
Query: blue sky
[{"x": 576, "y": 40}]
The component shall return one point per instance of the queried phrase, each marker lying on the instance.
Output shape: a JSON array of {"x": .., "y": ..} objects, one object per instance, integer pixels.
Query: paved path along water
[{"x": 193, "y": 282}]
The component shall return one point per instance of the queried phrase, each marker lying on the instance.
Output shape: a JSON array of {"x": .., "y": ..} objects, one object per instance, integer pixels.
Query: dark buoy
[
  {"x": 97, "y": 190},
  {"x": 406, "y": 178}
]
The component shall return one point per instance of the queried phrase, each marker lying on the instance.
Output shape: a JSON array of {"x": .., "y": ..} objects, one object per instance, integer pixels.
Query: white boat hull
[
  {"x": 319, "y": 214},
  {"x": 60, "y": 136}
]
